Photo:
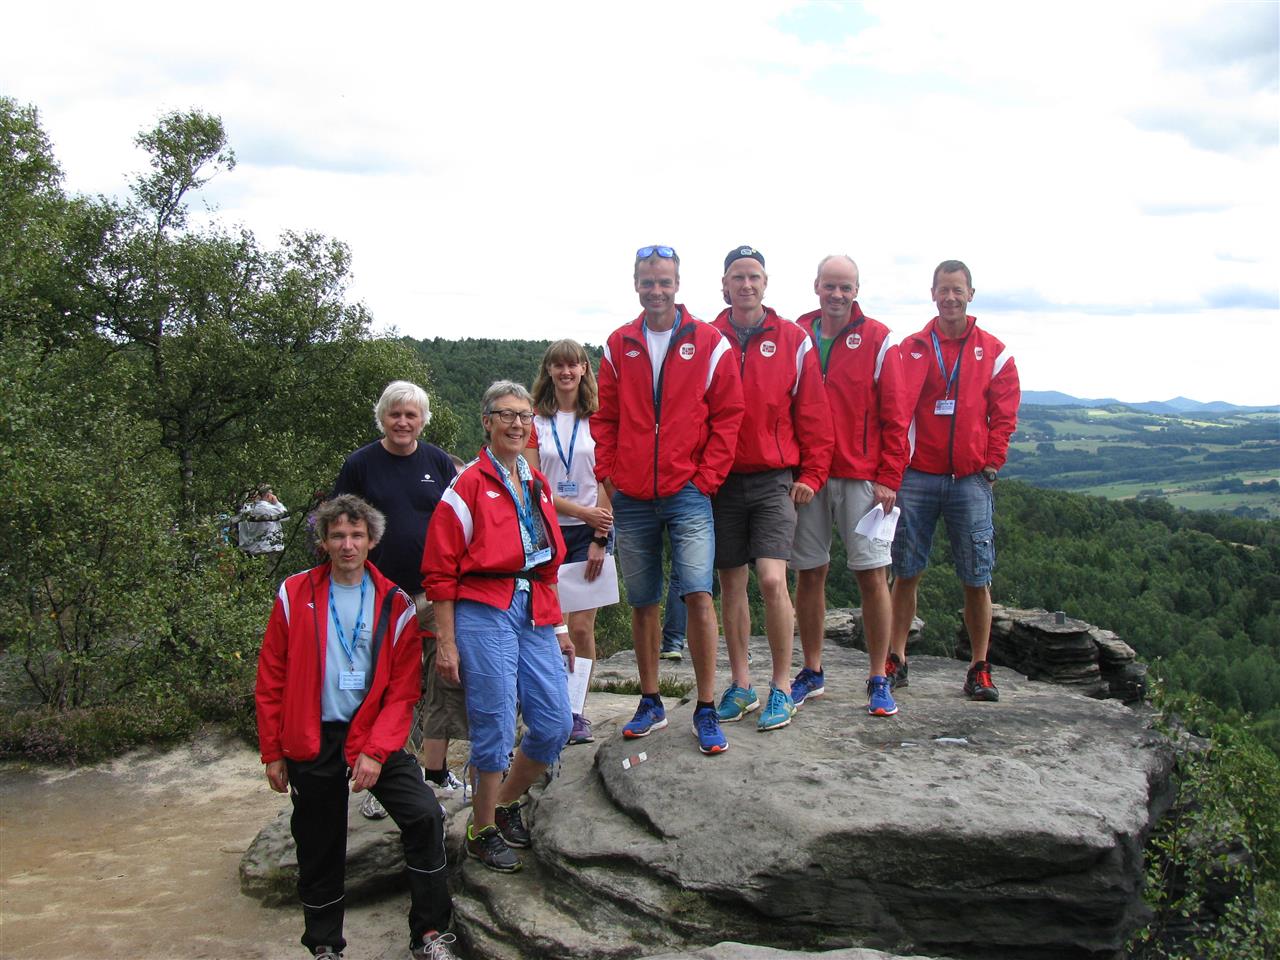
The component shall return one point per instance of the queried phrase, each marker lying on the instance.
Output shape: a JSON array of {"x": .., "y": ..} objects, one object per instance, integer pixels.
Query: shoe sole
[
  {"x": 712, "y": 751},
  {"x": 983, "y": 696},
  {"x": 775, "y": 726},
  {"x": 634, "y": 735},
  {"x": 523, "y": 845},
  {"x": 881, "y": 711},
  {"x": 575, "y": 742},
  {"x": 671, "y": 656},
  {"x": 490, "y": 866},
  {"x": 808, "y": 696}
]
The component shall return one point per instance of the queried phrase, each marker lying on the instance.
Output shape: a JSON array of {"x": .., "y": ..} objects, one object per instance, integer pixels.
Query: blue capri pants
[{"x": 505, "y": 659}]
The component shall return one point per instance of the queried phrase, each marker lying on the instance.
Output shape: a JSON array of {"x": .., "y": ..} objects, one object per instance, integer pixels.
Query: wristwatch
[
  {"x": 990, "y": 474},
  {"x": 600, "y": 541}
]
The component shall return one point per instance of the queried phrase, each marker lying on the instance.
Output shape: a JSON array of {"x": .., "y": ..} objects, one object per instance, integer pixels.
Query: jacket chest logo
[
  {"x": 977, "y": 353},
  {"x": 686, "y": 351},
  {"x": 916, "y": 356},
  {"x": 633, "y": 353},
  {"x": 768, "y": 348},
  {"x": 853, "y": 341},
  {"x": 492, "y": 494}
]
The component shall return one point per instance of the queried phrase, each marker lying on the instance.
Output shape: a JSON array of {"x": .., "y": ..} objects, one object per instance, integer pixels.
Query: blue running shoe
[
  {"x": 706, "y": 727},
  {"x": 778, "y": 710},
  {"x": 737, "y": 703},
  {"x": 879, "y": 699},
  {"x": 650, "y": 716},
  {"x": 808, "y": 683}
]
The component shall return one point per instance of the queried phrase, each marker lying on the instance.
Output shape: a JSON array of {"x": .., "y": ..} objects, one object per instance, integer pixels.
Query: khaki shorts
[
  {"x": 842, "y": 502},
  {"x": 444, "y": 713}
]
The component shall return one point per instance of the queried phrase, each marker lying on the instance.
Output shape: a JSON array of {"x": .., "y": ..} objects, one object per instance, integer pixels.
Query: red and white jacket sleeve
[
  {"x": 448, "y": 537},
  {"x": 725, "y": 410},
  {"x": 268, "y": 694},
  {"x": 604, "y": 422},
  {"x": 404, "y": 687},
  {"x": 1003, "y": 396},
  {"x": 895, "y": 412},
  {"x": 811, "y": 415}
]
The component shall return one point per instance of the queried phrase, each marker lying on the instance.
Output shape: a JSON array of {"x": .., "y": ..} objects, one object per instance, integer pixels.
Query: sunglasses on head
[{"x": 667, "y": 253}]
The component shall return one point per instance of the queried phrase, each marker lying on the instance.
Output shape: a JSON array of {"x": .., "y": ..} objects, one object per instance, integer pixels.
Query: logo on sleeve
[
  {"x": 977, "y": 353},
  {"x": 686, "y": 351},
  {"x": 853, "y": 341},
  {"x": 768, "y": 348}
]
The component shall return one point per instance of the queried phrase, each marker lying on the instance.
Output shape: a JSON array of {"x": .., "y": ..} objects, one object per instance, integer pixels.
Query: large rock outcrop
[{"x": 953, "y": 829}]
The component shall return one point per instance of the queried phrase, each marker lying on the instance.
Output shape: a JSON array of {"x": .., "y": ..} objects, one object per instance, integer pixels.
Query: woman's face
[
  {"x": 507, "y": 440},
  {"x": 566, "y": 375},
  {"x": 402, "y": 424}
]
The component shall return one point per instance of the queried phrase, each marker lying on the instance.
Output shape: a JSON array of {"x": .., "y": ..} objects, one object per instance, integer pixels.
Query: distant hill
[{"x": 1054, "y": 398}]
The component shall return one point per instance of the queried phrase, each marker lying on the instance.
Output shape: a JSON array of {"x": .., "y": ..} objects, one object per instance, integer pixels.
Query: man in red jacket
[
  {"x": 961, "y": 390},
  {"x": 670, "y": 408},
  {"x": 338, "y": 676},
  {"x": 861, "y": 370},
  {"x": 782, "y": 459}
]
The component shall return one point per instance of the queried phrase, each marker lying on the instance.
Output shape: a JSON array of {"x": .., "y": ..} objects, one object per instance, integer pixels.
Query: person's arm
[
  {"x": 446, "y": 643},
  {"x": 725, "y": 410},
  {"x": 604, "y": 422},
  {"x": 268, "y": 694},
  {"x": 441, "y": 563},
  {"x": 815, "y": 434},
  {"x": 893, "y": 415},
  {"x": 1003, "y": 397}
]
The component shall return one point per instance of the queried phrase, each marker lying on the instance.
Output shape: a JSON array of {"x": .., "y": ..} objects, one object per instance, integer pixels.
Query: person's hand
[
  {"x": 801, "y": 493},
  {"x": 595, "y": 561},
  {"x": 884, "y": 496},
  {"x": 599, "y": 518},
  {"x": 447, "y": 661},
  {"x": 278, "y": 776},
  {"x": 566, "y": 647},
  {"x": 365, "y": 773}
]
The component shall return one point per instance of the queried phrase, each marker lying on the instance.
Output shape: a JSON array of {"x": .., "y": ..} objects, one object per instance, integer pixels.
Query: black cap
[{"x": 738, "y": 253}]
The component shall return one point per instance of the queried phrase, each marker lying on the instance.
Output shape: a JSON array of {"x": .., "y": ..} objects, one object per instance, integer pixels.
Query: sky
[{"x": 1109, "y": 171}]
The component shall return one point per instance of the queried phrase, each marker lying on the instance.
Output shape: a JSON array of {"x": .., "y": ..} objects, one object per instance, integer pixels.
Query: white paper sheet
[
  {"x": 578, "y": 682},
  {"x": 577, "y": 594},
  {"x": 874, "y": 525}
]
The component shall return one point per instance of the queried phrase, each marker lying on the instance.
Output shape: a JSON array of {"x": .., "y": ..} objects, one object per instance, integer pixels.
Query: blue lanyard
[
  {"x": 937, "y": 352},
  {"x": 349, "y": 649},
  {"x": 524, "y": 508},
  {"x": 573, "y": 438}
]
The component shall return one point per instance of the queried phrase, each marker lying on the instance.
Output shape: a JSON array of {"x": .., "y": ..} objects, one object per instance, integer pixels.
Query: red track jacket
[
  {"x": 864, "y": 387},
  {"x": 788, "y": 419},
  {"x": 987, "y": 395},
  {"x": 652, "y": 449},
  {"x": 291, "y": 672},
  {"x": 476, "y": 531}
]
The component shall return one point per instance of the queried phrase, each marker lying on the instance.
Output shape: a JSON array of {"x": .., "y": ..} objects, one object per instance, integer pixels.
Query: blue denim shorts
[
  {"x": 966, "y": 504},
  {"x": 502, "y": 656},
  {"x": 639, "y": 525}
]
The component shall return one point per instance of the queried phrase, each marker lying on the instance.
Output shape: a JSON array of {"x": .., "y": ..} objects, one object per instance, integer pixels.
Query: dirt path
[{"x": 139, "y": 857}]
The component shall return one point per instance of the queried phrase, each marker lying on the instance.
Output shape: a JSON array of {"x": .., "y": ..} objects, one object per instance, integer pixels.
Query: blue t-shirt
[
  {"x": 336, "y": 703},
  {"x": 407, "y": 490}
]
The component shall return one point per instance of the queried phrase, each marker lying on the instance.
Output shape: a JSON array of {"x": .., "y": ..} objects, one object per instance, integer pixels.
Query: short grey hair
[
  {"x": 837, "y": 256},
  {"x": 354, "y": 509},
  {"x": 401, "y": 392},
  {"x": 504, "y": 388}
]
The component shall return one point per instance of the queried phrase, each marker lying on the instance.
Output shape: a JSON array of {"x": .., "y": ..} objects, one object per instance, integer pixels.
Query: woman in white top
[{"x": 564, "y": 398}]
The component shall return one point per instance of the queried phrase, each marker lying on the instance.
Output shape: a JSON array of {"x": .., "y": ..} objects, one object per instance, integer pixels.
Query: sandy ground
[{"x": 139, "y": 858}]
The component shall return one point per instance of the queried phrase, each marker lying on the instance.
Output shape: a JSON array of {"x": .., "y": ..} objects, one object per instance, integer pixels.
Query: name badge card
[
  {"x": 945, "y": 408},
  {"x": 351, "y": 680},
  {"x": 567, "y": 488},
  {"x": 540, "y": 556}
]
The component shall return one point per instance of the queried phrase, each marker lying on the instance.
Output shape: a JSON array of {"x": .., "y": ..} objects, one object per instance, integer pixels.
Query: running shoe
[
  {"x": 978, "y": 684},
  {"x": 778, "y": 710},
  {"x": 650, "y": 716},
  {"x": 706, "y": 727},
  {"x": 371, "y": 809},
  {"x": 895, "y": 668},
  {"x": 737, "y": 703},
  {"x": 581, "y": 732},
  {"x": 489, "y": 848},
  {"x": 511, "y": 825},
  {"x": 671, "y": 653},
  {"x": 808, "y": 683},
  {"x": 434, "y": 946},
  {"x": 879, "y": 698},
  {"x": 326, "y": 953}
]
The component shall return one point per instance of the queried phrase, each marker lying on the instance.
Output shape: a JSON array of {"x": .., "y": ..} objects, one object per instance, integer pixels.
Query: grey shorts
[
  {"x": 841, "y": 502},
  {"x": 444, "y": 714},
  {"x": 754, "y": 518}
]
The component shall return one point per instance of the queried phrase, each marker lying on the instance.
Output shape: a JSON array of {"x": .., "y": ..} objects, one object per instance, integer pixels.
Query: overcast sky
[{"x": 1109, "y": 171}]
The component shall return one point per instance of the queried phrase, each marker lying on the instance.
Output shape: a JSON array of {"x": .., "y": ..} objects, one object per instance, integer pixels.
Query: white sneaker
[
  {"x": 451, "y": 783},
  {"x": 371, "y": 809}
]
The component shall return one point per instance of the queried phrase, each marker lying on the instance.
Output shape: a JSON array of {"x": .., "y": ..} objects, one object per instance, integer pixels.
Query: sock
[
  {"x": 704, "y": 703},
  {"x": 655, "y": 697},
  {"x": 437, "y": 776}
]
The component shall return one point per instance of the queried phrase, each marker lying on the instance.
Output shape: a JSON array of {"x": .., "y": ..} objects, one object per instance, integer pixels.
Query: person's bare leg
[
  {"x": 485, "y": 798},
  {"x": 877, "y": 617},
  {"x": 703, "y": 635},
  {"x": 737, "y": 621},
  {"x": 435, "y": 754},
  {"x": 902, "y": 600},
  {"x": 779, "y": 617},
  {"x": 520, "y": 777},
  {"x": 811, "y": 613},
  {"x": 582, "y": 631},
  {"x": 977, "y": 620},
  {"x": 646, "y": 638}
]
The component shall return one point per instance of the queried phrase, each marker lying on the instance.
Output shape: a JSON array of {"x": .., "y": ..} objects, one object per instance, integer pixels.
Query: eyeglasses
[
  {"x": 511, "y": 416},
  {"x": 666, "y": 253}
]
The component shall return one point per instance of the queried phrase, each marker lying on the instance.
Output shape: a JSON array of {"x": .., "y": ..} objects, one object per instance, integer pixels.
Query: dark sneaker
[
  {"x": 706, "y": 727},
  {"x": 879, "y": 699},
  {"x": 581, "y": 732},
  {"x": 511, "y": 824},
  {"x": 434, "y": 946},
  {"x": 895, "y": 668},
  {"x": 808, "y": 683},
  {"x": 650, "y": 716},
  {"x": 490, "y": 849},
  {"x": 978, "y": 684}
]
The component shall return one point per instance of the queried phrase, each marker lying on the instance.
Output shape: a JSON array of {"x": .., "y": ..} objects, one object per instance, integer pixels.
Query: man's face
[
  {"x": 347, "y": 543},
  {"x": 952, "y": 294},
  {"x": 657, "y": 284},
  {"x": 837, "y": 289},
  {"x": 744, "y": 286},
  {"x": 403, "y": 424}
]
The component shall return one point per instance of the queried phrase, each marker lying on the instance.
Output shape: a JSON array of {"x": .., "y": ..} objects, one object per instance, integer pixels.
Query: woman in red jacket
[{"x": 490, "y": 566}]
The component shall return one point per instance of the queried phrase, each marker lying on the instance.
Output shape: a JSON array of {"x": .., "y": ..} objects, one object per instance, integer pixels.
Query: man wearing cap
[
  {"x": 961, "y": 390},
  {"x": 782, "y": 459},
  {"x": 670, "y": 409},
  {"x": 862, "y": 373}
]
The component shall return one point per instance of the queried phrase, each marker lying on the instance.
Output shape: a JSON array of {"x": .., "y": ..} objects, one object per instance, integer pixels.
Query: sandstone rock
[
  {"x": 741, "y": 951},
  {"x": 844, "y": 626},
  {"x": 957, "y": 829}
]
